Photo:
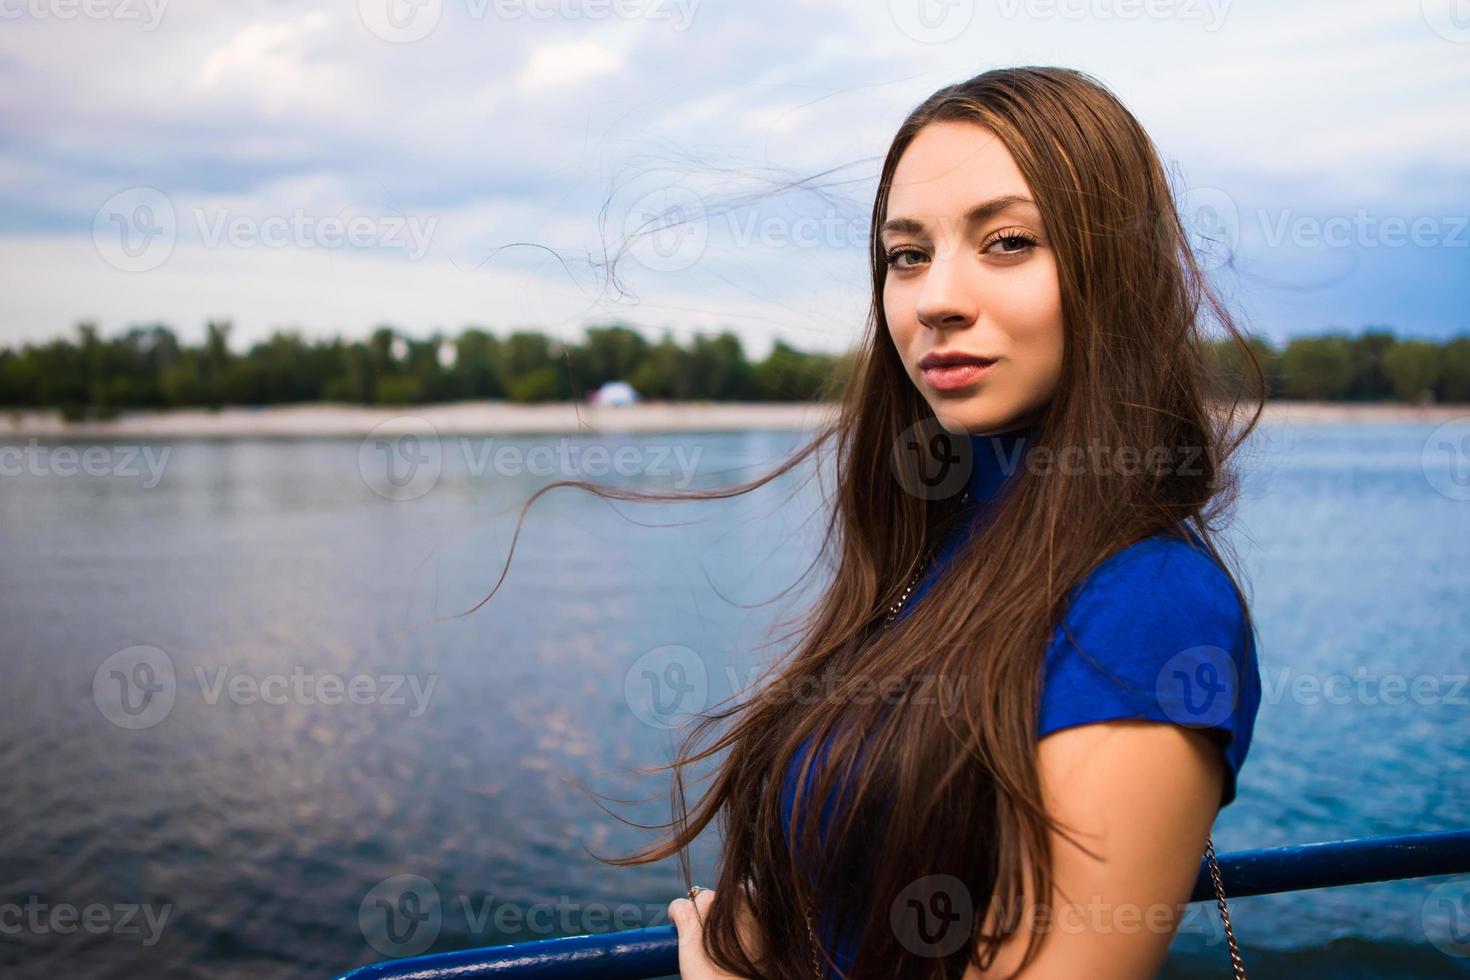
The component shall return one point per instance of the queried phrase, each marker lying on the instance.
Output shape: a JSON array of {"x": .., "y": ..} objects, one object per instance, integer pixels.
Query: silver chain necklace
[{"x": 894, "y": 609}]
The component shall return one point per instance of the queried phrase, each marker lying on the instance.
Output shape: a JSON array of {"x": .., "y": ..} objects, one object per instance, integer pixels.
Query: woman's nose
[{"x": 947, "y": 298}]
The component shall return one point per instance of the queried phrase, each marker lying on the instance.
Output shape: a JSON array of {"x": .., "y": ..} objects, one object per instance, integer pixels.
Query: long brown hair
[{"x": 956, "y": 792}]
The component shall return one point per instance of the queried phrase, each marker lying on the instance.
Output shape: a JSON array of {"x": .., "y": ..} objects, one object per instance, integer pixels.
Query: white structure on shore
[{"x": 615, "y": 393}]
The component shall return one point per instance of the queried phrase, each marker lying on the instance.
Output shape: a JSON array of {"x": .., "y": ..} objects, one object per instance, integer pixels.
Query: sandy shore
[{"x": 484, "y": 418}]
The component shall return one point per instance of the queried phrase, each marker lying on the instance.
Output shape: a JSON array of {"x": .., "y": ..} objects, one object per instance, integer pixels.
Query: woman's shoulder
[
  {"x": 1161, "y": 595},
  {"x": 1163, "y": 567},
  {"x": 1156, "y": 631}
]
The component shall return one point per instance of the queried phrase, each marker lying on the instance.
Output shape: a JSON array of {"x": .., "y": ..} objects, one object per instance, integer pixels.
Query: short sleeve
[{"x": 1156, "y": 632}]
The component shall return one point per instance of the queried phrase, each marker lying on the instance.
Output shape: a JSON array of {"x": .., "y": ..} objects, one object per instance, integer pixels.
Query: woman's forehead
[{"x": 948, "y": 168}]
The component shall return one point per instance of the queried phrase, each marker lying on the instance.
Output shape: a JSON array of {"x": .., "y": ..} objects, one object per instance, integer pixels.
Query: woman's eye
[
  {"x": 1016, "y": 242},
  {"x": 898, "y": 253}
]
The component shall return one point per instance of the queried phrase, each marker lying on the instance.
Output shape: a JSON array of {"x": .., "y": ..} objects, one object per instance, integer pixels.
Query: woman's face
[{"x": 971, "y": 273}]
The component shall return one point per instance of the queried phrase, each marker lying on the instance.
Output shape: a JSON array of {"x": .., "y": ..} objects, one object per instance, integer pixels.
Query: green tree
[
  {"x": 182, "y": 383},
  {"x": 1370, "y": 381},
  {"x": 1318, "y": 367},
  {"x": 526, "y": 351},
  {"x": 431, "y": 382},
  {"x": 285, "y": 369},
  {"x": 478, "y": 370},
  {"x": 611, "y": 353},
  {"x": 244, "y": 383},
  {"x": 718, "y": 368},
  {"x": 20, "y": 378},
  {"x": 1454, "y": 379},
  {"x": 1413, "y": 368},
  {"x": 543, "y": 384},
  {"x": 355, "y": 378},
  {"x": 397, "y": 390},
  {"x": 664, "y": 371},
  {"x": 214, "y": 362},
  {"x": 787, "y": 374}
]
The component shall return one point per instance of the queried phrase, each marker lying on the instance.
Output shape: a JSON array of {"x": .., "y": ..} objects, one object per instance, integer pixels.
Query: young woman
[{"x": 1041, "y": 678}]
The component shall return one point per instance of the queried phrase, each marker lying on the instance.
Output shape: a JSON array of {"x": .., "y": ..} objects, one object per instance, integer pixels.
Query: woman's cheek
[{"x": 903, "y": 330}]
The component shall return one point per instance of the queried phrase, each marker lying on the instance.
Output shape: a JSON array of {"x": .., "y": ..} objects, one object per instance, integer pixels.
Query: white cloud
[
  {"x": 268, "y": 55},
  {"x": 568, "y": 63}
]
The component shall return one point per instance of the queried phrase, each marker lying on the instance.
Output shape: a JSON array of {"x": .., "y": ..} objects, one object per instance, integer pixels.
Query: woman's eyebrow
[{"x": 981, "y": 212}]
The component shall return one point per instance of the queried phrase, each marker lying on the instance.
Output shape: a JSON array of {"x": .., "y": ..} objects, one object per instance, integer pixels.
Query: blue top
[{"x": 1164, "y": 635}]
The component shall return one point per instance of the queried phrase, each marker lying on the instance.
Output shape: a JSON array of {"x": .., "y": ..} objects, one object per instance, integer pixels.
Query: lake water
[{"x": 230, "y": 742}]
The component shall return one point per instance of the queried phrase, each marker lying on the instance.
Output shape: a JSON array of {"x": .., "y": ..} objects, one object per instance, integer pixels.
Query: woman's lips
[{"x": 956, "y": 376}]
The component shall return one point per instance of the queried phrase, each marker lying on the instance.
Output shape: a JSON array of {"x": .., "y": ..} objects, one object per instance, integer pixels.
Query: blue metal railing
[{"x": 639, "y": 954}]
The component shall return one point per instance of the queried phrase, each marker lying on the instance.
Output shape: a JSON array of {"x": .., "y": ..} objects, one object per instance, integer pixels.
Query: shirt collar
[{"x": 995, "y": 457}]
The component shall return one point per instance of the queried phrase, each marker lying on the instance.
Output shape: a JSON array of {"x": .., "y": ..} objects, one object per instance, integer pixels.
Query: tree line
[{"x": 146, "y": 367}]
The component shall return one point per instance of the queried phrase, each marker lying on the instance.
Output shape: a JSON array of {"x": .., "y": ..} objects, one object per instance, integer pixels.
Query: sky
[{"x": 433, "y": 164}]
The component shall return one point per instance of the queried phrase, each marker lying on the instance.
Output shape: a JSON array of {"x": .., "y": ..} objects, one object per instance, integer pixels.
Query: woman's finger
[
  {"x": 688, "y": 920},
  {"x": 681, "y": 914}
]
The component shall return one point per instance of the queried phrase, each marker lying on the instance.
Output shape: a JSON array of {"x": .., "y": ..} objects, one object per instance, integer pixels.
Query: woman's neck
[{"x": 995, "y": 458}]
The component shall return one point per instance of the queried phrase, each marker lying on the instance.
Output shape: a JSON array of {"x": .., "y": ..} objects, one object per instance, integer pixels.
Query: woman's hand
[{"x": 688, "y": 918}]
